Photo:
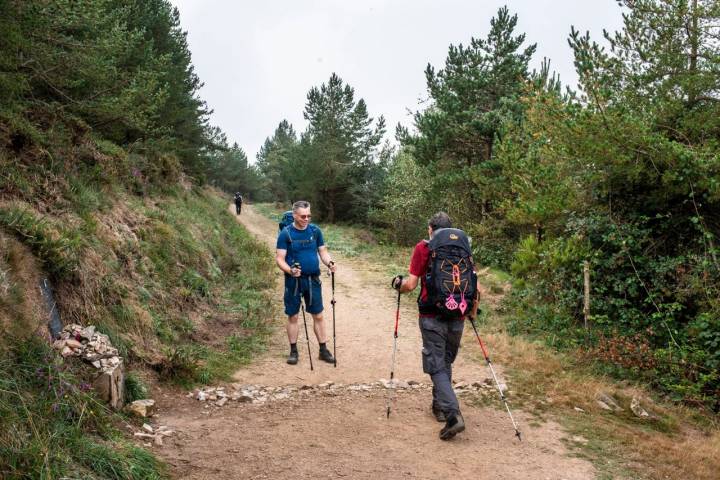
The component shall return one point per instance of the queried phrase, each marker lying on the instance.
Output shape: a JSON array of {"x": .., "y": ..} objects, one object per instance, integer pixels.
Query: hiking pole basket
[
  {"x": 392, "y": 365},
  {"x": 497, "y": 384},
  {"x": 332, "y": 302}
]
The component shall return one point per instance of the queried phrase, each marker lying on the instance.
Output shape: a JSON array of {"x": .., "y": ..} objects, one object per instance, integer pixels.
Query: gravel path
[{"x": 286, "y": 422}]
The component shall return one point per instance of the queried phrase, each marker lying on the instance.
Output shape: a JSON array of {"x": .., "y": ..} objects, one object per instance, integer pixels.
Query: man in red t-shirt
[{"x": 440, "y": 335}]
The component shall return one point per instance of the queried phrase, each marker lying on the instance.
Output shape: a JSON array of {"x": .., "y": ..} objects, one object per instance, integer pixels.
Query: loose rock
[
  {"x": 608, "y": 400},
  {"x": 142, "y": 408},
  {"x": 637, "y": 409}
]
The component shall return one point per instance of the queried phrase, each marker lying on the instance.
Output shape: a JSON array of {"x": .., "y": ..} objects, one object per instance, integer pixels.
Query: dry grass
[{"x": 677, "y": 443}]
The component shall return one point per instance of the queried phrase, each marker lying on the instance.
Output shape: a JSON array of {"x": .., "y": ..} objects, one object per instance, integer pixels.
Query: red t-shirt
[{"x": 419, "y": 264}]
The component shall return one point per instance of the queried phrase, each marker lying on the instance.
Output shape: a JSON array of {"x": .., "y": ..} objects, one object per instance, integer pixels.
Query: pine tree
[
  {"x": 473, "y": 95},
  {"x": 473, "y": 99},
  {"x": 230, "y": 171},
  {"x": 274, "y": 161},
  {"x": 119, "y": 69},
  {"x": 337, "y": 150}
]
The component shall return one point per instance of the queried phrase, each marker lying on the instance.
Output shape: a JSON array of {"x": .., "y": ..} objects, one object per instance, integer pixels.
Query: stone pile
[
  {"x": 149, "y": 432},
  {"x": 260, "y": 394},
  {"x": 218, "y": 396},
  {"x": 95, "y": 348},
  {"x": 84, "y": 342}
]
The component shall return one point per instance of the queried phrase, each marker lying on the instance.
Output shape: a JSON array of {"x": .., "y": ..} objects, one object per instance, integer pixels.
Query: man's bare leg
[
  {"x": 292, "y": 328},
  {"x": 319, "y": 327}
]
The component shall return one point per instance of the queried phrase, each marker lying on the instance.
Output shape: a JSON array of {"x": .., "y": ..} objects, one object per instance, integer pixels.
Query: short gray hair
[
  {"x": 300, "y": 204},
  {"x": 439, "y": 220}
]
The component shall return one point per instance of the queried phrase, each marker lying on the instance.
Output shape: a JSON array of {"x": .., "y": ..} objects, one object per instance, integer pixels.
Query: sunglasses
[{"x": 305, "y": 216}]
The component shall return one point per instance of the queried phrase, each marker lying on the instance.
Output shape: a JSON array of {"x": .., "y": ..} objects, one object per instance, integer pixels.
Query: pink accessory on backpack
[
  {"x": 450, "y": 303},
  {"x": 463, "y": 303}
]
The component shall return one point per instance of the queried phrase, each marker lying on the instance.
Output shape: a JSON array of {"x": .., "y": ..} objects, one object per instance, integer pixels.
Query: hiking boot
[
  {"x": 292, "y": 358},
  {"x": 326, "y": 356},
  {"x": 455, "y": 424},
  {"x": 439, "y": 414}
]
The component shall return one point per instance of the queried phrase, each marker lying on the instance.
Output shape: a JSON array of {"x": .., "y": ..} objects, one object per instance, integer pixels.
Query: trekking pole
[
  {"x": 302, "y": 307},
  {"x": 492, "y": 370},
  {"x": 392, "y": 365},
  {"x": 332, "y": 302}
]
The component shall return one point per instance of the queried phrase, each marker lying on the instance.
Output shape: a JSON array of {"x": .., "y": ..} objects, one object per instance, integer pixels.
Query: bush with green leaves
[{"x": 635, "y": 289}]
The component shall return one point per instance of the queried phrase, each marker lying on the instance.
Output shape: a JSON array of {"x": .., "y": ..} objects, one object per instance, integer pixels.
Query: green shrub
[
  {"x": 181, "y": 363},
  {"x": 641, "y": 293},
  {"x": 58, "y": 249},
  {"x": 135, "y": 388},
  {"x": 196, "y": 283}
]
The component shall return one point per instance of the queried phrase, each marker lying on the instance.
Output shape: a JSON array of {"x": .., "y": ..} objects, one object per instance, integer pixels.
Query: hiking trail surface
[{"x": 291, "y": 423}]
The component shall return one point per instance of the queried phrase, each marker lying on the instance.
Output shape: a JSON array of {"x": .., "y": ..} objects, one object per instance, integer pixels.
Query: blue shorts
[{"x": 311, "y": 290}]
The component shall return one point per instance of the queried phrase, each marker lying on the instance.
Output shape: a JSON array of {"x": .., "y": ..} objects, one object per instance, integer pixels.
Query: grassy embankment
[
  {"x": 174, "y": 281},
  {"x": 676, "y": 442}
]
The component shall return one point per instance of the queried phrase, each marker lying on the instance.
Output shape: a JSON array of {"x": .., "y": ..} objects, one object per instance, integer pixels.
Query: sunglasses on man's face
[{"x": 305, "y": 216}]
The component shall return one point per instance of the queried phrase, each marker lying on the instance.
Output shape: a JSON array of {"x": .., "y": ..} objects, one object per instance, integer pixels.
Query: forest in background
[{"x": 622, "y": 173}]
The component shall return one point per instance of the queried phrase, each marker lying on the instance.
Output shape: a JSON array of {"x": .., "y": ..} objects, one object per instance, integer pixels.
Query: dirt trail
[{"x": 342, "y": 432}]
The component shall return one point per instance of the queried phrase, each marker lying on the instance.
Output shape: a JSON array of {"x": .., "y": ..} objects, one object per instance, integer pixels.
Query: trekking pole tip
[
  {"x": 388, "y": 412},
  {"x": 517, "y": 434}
]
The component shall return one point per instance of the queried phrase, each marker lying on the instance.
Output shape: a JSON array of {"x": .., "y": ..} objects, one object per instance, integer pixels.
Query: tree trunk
[
  {"x": 330, "y": 207},
  {"x": 694, "y": 40}
]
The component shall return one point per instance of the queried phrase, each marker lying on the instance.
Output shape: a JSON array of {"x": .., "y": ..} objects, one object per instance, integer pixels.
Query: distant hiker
[
  {"x": 448, "y": 293},
  {"x": 238, "y": 203},
  {"x": 298, "y": 246}
]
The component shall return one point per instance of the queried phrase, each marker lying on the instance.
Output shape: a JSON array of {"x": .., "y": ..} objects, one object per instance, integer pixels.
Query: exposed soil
[
  {"x": 22, "y": 312},
  {"x": 344, "y": 432}
]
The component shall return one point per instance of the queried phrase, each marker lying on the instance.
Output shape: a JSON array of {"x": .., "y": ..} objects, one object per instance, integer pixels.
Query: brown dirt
[
  {"x": 345, "y": 434},
  {"x": 22, "y": 310}
]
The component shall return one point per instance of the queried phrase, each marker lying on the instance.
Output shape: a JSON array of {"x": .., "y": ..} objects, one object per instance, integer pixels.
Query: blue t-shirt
[{"x": 303, "y": 248}]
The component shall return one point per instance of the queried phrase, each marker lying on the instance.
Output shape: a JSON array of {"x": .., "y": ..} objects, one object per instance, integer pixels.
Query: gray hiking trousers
[{"x": 441, "y": 341}]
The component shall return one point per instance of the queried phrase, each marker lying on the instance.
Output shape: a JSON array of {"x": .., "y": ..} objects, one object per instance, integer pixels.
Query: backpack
[
  {"x": 286, "y": 220},
  {"x": 451, "y": 280}
]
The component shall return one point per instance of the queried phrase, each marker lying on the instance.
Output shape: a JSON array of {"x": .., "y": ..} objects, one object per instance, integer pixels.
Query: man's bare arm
[
  {"x": 280, "y": 260},
  {"x": 326, "y": 258},
  {"x": 409, "y": 283}
]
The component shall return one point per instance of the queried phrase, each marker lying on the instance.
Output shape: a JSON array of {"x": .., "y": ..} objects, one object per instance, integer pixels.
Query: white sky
[{"x": 258, "y": 59}]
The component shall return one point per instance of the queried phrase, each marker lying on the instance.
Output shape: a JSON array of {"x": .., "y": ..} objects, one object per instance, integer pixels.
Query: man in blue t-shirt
[{"x": 298, "y": 246}]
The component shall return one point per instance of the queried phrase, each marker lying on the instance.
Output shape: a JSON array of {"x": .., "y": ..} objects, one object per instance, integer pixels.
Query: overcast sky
[{"x": 258, "y": 59}]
